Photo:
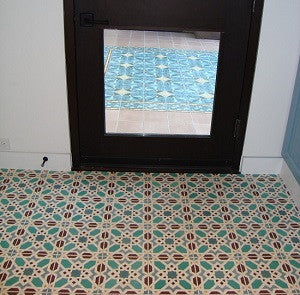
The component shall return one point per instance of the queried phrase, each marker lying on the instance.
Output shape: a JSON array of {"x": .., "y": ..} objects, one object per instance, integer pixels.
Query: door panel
[{"x": 231, "y": 19}]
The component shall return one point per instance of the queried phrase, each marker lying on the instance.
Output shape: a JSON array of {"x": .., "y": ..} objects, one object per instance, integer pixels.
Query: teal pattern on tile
[
  {"x": 138, "y": 233},
  {"x": 160, "y": 79}
]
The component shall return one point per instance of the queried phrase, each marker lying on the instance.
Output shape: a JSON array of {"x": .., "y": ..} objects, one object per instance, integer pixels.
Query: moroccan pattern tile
[
  {"x": 139, "y": 233},
  {"x": 159, "y": 79}
]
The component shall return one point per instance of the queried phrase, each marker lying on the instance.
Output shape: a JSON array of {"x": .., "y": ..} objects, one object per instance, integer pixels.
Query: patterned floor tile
[
  {"x": 160, "y": 79},
  {"x": 147, "y": 233}
]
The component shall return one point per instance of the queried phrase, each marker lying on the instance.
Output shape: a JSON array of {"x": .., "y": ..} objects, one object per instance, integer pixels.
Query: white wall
[
  {"x": 33, "y": 100},
  {"x": 274, "y": 81}
]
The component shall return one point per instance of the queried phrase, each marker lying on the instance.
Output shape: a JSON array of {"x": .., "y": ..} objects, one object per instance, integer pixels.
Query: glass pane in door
[{"x": 159, "y": 82}]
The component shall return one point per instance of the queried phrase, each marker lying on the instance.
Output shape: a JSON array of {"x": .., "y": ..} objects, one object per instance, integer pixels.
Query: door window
[{"x": 160, "y": 82}]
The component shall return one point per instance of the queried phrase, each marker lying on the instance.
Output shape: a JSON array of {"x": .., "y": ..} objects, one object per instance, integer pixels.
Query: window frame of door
[{"x": 71, "y": 77}]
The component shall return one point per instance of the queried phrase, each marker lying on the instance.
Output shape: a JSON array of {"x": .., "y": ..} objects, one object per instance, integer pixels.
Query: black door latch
[{"x": 87, "y": 20}]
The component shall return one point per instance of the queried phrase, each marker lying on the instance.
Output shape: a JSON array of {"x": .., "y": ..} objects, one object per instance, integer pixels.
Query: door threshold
[{"x": 215, "y": 169}]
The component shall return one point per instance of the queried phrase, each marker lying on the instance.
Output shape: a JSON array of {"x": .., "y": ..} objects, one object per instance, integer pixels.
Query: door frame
[{"x": 71, "y": 75}]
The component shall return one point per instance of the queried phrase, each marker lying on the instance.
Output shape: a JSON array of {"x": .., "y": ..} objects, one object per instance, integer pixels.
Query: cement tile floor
[{"x": 138, "y": 233}]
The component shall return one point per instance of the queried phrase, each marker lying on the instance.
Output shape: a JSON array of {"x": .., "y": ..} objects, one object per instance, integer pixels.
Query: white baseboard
[
  {"x": 261, "y": 165},
  {"x": 291, "y": 183},
  {"x": 21, "y": 160}
]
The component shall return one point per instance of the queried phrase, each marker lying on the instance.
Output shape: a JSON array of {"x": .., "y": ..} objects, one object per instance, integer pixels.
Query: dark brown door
[{"x": 159, "y": 83}]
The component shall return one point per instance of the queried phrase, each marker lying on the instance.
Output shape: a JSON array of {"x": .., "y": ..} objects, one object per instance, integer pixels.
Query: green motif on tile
[
  {"x": 37, "y": 282},
  {"x": 111, "y": 283},
  {"x": 208, "y": 284},
  {"x": 233, "y": 284},
  {"x": 160, "y": 284},
  {"x": 11, "y": 281},
  {"x": 86, "y": 284}
]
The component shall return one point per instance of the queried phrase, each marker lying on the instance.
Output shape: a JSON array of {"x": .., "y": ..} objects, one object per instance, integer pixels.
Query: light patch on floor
[{"x": 156, "y": 122}]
